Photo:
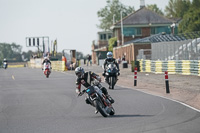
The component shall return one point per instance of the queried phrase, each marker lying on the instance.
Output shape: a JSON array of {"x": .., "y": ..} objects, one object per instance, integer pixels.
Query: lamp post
[
  {"x": 122, "y": 33},
  {"x": 173, "y": 27}
]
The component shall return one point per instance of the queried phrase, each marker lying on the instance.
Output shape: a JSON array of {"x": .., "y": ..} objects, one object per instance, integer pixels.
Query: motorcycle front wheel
[
  {"x": 100, "y": 107},
  {"x": 112, "y": 82}
]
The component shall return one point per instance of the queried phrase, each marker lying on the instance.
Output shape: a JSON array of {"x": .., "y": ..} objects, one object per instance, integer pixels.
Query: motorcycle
[
  {"x": 5, "y": 65},
  {"x": 98, "y": 100},
  {"x": 46, "y": 69},
  {"x": 111, "y": 75}
]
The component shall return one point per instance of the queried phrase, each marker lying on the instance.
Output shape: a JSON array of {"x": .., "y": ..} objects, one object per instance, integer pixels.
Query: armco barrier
[
  {"x": 56, "y": 65},
  {"x": 185, "y": 67},
  {"x": 141, "y": 66},
  {"x": 15, "y": 66},
  {"x": 158, "y": 66},
  {"x": 148, "y": 66},
  {"x": 171, "y": 67},
  {"x": 199, "y": 68},
  {"x": 178, "y": 67}
]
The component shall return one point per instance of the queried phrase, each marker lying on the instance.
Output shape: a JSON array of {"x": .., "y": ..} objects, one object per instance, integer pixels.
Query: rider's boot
[
  {"x": 110, "y": 98},
  {"x": 96, "y": 111},
  {"x": 87, "y": 101}
]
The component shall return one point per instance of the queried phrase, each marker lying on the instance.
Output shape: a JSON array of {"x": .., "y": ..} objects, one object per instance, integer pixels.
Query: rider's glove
[
  {"x": 103, "y": 74},
  {"x": 77, "y": 91},
  {"x": 99, "y": 79}
]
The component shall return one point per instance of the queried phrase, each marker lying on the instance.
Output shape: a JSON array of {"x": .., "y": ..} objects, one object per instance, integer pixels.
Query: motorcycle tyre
[
  {"x": 100, "y": 108},
  {"x": 112, "y": 82},
  {"x": 112, "y": 112}
]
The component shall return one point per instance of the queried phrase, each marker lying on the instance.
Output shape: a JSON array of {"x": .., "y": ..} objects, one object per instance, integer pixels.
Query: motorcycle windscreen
[{"x": 90, "y": 90}]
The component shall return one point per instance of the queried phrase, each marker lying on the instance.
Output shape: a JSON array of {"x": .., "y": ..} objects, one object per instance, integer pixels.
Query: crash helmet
[
  {"x": 109, "y": 55},
  {"x": 79, "y": 71},
  {"x": 45, "y": 58},
  {"x": 4, "y": 59}
]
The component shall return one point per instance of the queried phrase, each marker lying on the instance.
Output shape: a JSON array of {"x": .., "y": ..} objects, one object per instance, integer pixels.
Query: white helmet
[
  {"x": 4, "y": 59},
  {"x": 109, "y": 55},
  {"x": 79, "y": 71},
  {"x": 45, "y": 58}
]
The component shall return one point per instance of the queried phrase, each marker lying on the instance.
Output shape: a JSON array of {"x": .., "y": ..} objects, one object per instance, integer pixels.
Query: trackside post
[
  {"x": 167, "y": 82},
  {"x": 135, "y": 76}
]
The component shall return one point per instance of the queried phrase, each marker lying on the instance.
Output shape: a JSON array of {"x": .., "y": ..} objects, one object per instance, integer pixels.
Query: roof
[
  {"x": 166, "y": 38},
  {"x": 144, "y": 16}
]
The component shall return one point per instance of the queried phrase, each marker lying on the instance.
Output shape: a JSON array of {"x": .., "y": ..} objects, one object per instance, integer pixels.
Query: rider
[
  {"x": 4, "y": 60},
  {"x": 86, "y": 78},
  {"x": 108, "y": 61},
  {"x": 46, "y": 60}
]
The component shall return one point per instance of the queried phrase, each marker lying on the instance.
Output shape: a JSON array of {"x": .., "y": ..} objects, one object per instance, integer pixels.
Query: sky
[{"x": 71, "y": 22}]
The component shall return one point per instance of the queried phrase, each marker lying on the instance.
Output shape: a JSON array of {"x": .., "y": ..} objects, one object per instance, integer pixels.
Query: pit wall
[
  {"x": 56, "y": 65},
  {"x": 184, "y": 67}
]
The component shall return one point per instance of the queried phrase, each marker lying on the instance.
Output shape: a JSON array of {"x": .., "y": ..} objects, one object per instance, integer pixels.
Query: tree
[
  {"x": 27, "y": 55},
  {"x": 112, "y": 43},
  {"x": 79, "y": 55},
  {"x": 154, "y": 8},
  {"x": 191, "y": 19},
  {"x": 177, "y": 8},
  {"x": 113, "y": 8},
  {"x": 10, "y": 51}
]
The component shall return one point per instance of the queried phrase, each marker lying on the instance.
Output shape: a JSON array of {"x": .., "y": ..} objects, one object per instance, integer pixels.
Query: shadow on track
[{"x": 126, "y": 115}]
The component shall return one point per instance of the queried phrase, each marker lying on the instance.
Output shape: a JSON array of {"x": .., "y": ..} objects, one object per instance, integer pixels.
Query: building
[
  {"x": 99, "y": 50},
  {"x": 136, "y": 27}
]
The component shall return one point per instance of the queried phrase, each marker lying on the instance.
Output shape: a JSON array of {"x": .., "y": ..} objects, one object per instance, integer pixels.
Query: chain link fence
[{"x": 172, "y": 50}]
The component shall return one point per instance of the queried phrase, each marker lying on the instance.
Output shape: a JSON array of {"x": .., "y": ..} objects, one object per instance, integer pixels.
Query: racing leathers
[
  {"x": 87, "y": 80},
  {"x": 106, "y": 63}
]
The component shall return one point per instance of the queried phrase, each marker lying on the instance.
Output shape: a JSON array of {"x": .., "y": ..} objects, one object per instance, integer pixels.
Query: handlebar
[{"x": 81, "y": 93}]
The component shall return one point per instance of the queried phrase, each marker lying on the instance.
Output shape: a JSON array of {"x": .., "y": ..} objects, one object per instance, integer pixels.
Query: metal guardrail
[
  {"x": 56, "y": 65},
  {"x": 185, "y": 67}
]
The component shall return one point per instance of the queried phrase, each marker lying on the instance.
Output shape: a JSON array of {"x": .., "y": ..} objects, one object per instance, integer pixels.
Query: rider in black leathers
[
  {"x": 108, "y": 61},
  {"x": 86, "y": 79},
  {"x": 46, "y": 60}
]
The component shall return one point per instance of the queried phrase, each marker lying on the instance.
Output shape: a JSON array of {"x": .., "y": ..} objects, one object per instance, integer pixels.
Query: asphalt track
[{"x": 31, "y": 103}]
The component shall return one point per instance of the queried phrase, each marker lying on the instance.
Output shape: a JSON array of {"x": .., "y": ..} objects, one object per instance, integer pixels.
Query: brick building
[{"x": 137, "y": 26}]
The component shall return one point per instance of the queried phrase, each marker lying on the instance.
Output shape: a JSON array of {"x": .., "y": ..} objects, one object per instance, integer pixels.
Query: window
[
  {"x": 128, "y": 31},
  {"x": 109, "y": 36},
  {"x": 103, "y": 37},
  {"x": 153, "y": 30},
  {"x": 138, "y": 31}
]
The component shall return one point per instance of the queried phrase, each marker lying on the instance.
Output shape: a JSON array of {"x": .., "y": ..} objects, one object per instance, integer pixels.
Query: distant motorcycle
[
  {"x": 99, "y": 101},
  {"x": 46, "y": 69},
  {"x": 5, "y": 65},
  {"x": 111, "y": 75}
]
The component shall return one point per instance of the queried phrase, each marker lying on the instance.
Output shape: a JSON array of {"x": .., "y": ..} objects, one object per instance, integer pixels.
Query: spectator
[
  {"x": 119, "y": 60},
  {"x": 123, "y": 57},
  {"x": 89, "y": 60}
]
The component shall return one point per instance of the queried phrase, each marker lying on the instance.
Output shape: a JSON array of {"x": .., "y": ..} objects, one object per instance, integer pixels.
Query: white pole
[{"x": 122, "y": 34}]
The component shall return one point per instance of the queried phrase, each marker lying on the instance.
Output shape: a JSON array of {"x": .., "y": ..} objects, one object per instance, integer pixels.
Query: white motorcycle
[{"x": 5, "y": 65}]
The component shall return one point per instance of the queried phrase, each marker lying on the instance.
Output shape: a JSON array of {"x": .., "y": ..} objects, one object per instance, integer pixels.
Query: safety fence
[
  {"x": 185, "y": 67},
  {"x": 56, "y": 65},
  {"x": 15, "y": 66}
]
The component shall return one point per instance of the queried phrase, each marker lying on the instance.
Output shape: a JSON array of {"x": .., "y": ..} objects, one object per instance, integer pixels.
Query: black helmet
[{"x": 79, "y": 71}]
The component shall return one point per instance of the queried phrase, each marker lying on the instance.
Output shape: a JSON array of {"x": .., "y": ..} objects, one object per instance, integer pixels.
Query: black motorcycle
[
  {"x": 111, "y": 75},
  {"x": 99, "y": 101}
]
